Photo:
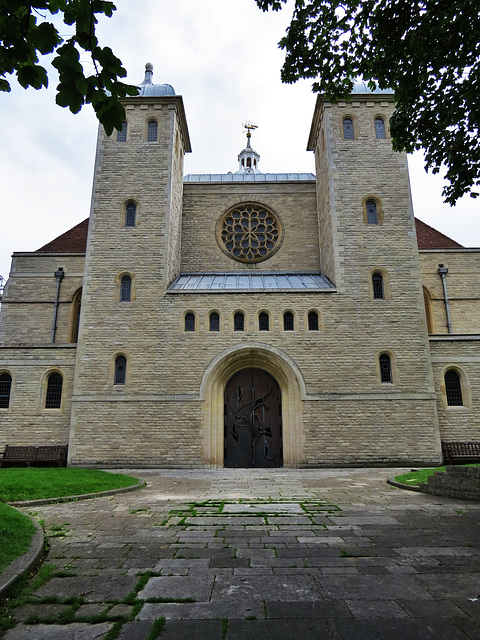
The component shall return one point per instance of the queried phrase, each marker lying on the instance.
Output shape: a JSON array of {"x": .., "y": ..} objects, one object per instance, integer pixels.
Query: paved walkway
[{"x": 275, "y": 554}]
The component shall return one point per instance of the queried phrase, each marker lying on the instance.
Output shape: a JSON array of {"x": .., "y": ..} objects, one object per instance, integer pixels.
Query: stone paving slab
[
  {"x": 346, "y": 558},
  {"x": 396, "y": 630},
  {"x": 278, "y": 630},
  {"x": 75, "y": 631},
  {"x": 197, "y": 586},
  {"x": 249, "y": 589},
  {"x": 232, "y": 610}
]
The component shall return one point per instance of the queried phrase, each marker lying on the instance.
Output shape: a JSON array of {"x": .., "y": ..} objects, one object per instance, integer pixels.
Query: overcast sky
[{"x": 222, "y": 57}]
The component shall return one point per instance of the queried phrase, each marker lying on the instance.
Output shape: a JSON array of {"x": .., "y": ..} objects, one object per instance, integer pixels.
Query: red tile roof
[
  {"x": 72, "y": 241},
  {"x": 75, "y": 240},
  {"x": 430, "y": 238}
]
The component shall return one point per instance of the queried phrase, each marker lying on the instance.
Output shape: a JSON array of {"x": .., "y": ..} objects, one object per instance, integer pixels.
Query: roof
[
  {"x": 430, "y": 238},
  {"x": 248, "y": 177},
  {"x": 75, "y": 240},
  {"x": 148, "y": 89},
  {"x": 239, "y": 282},
  {"x": 72, "y": 241},
  {"x": 362, "y": 87}
]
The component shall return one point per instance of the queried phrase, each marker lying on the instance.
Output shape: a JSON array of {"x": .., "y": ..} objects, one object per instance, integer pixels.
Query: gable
[{"x": 72, "y": 241}]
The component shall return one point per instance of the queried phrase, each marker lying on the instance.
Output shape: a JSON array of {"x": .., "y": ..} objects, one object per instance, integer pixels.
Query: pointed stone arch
[{"x": 212, "y": 388}]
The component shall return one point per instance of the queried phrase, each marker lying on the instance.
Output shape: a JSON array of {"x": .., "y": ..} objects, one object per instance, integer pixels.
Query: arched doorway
[{"x": 253, "y": 420}]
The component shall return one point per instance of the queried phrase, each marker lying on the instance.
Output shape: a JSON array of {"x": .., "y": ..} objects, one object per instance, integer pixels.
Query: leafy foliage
[
  {"x": 26, "y": 33},
  {"x": 426, "y": 50}
]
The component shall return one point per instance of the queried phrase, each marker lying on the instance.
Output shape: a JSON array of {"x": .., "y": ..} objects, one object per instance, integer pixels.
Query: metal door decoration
[{"x": 253, "y": 420}]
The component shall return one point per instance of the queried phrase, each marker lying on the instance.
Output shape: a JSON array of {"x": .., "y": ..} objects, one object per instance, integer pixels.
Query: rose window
[{"x": 249, "y": 233}]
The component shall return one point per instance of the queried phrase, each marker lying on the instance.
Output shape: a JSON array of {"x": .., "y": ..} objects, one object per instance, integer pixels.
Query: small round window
[{"x": 249, "y": 233}]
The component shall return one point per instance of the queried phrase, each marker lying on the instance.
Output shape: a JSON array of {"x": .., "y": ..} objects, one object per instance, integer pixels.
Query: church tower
[
  {"x": 368, "y": 249},
  {"x": 133, "y": 253}
]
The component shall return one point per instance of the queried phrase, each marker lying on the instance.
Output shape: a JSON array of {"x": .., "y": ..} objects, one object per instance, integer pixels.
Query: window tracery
[{"x": 249, "y": 233}]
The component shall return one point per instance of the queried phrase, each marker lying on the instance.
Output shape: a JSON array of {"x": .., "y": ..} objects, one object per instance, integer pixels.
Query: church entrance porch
[
  {"x": 283, "y": 375},
  {"x": 253, "y": 420}
]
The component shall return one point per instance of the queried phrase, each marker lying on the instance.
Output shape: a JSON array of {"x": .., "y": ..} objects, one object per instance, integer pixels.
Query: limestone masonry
[{"x": 244, "y": 319}]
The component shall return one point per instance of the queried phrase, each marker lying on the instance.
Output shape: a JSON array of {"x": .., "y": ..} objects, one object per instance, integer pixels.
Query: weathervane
[{"x": 249, "y": 126}]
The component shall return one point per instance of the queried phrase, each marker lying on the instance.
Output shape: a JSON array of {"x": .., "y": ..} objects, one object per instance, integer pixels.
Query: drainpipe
[
  {"x": 443, "y": 274},
  {"x": 58, "y": 275}
]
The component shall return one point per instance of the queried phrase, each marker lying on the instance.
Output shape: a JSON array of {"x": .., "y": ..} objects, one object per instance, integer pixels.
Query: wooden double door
[{"x": 253, "y": 420}]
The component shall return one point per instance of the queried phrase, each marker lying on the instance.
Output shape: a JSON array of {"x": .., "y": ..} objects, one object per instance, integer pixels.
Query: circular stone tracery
[{"x": 249, "y": 233}]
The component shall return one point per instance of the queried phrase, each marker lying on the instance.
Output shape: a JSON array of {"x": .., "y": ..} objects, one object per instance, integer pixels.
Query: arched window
[
  {"x": 313, "y": 321},
  {"x": 76, "y": 308},
  {"x": 288, "y": 321},
  {"x": 5, "y": 388},
  {"x": 214, "y": 322},
  {"x": 263, "y": 322},
  {"x": 380, "y": 128},
  {"x": 453, "y": 389},
  {"x": 377, "y": 286},
  {"x": 372, "y": 217},
  {"x": 120, "y": 370},
  {"x": 130, "y": 214},
  {"x": 189, "y": 322},
  {"x": 53, "y": 397},
  {"x": 125, "y": 289},
  {"x": 348, "y": 129},
  {"x": 152, "y": 131},
  {"x": 239, "y": 321},
  {"x": 385, "y": 368},
  {"x": 122, "y": 134}
]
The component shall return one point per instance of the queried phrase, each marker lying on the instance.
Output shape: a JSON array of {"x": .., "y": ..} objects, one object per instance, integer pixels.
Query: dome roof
[
  {"x": 362, "y": 87},
  {"x": 148, "y": 89}
]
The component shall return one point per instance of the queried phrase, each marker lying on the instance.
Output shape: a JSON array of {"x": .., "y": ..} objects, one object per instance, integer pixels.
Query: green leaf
[{"x": 33, "y": 76}]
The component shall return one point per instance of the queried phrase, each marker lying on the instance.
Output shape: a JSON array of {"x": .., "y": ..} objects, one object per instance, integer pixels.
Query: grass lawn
[
  {"x": 414, "y": 478},
  {"x": 16, "y": 531},
  {"x": 36, "y": 483}
]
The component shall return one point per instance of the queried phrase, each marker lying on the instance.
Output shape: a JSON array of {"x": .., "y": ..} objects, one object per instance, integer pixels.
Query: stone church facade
[{"x": 244, "y": 319}]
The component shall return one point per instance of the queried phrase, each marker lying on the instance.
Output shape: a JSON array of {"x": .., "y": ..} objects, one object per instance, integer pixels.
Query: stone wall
[
  {"x": 461, "y": 353},
  {"x": 455, "y": 482},
  {"x": 463, "y": 289},
  {"x": 29, "y": 297},
  {"x": 26, "y": 421}
]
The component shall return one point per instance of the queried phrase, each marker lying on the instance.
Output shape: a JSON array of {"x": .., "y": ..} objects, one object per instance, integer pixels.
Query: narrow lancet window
[
  {"x": 189, "y": 322},
  {"x": 288, "y": 321},
  {"x": 379, "y": 128},
  {"x": 372, "y": 216},
  {"x": 126, "y": 289},
  {"x": 453, "y": 389},
  {"x": 130, "y": 214},
  {"x": 263, "y": 322},
  {"x": 239, "y": 322},
  {"x": 152, "y": 131},
  {"x": 53, "y": 398},
  {"x": 313, "y": 321},
  {"x": 214, "y": 322},
  {"x": 348, "y": 129},
  {"x": 120, "y": 370},
  {"x": 5, "y": 389},
  {"x": 377, "y": 285},
  {"x": 122, "y": 134},
  {"x": 385, "y": 368}
]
